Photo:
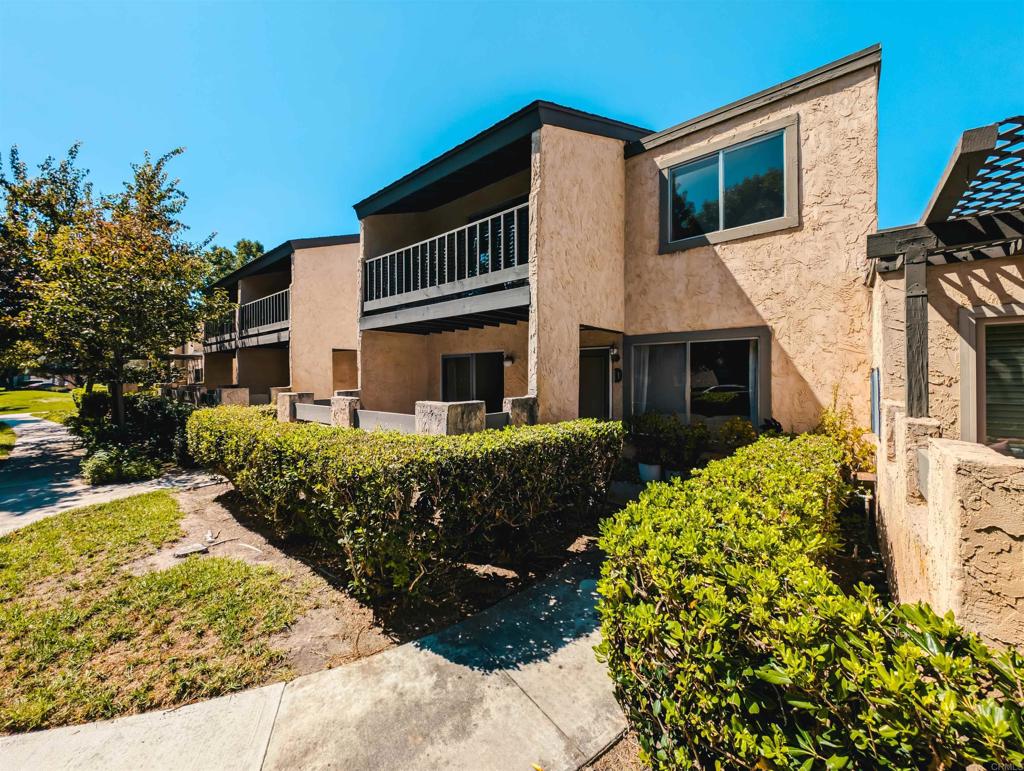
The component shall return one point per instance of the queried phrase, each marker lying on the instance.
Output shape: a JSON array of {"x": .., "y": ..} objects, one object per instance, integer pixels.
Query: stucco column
[
  {"x": 440, "y": 418},
  {"x": 286, "y": 404},
  {"x": 912, "y": 434},
  {"x": 343, "y": 411}
]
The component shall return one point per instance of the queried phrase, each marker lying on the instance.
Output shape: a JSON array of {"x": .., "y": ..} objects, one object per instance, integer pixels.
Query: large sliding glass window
[
  {"x": 1003, "y": 404},
  {"x": 700, "y": 378},
  {"x": 736, "y": 186}
]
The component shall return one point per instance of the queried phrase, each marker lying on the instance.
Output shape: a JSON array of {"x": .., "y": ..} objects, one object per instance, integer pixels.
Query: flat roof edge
[{"x": 866, "y": 57}]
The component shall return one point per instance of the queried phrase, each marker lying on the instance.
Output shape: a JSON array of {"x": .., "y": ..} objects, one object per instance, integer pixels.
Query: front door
[
  {"x": 474, "y": 377},
  {"x": 595, "y": 400}
]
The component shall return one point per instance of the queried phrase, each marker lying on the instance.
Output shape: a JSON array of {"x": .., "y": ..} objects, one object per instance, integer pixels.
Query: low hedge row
[
  {"x": 400, "y": 507},
  {"x": 731, "y": 646}
]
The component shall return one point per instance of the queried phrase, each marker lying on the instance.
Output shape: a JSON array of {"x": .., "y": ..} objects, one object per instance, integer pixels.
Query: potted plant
[{"x": 646, "y": 434}]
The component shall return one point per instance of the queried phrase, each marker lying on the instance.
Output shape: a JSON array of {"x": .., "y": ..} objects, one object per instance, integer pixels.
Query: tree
[
  {"x": 122, "y": 284},
  {"x": 34, "y": 209},
  {"x": 224, "y": 261}
]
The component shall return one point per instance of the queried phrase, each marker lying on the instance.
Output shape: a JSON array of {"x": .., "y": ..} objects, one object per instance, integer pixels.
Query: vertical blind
[{"x": 1004, "y": 384}]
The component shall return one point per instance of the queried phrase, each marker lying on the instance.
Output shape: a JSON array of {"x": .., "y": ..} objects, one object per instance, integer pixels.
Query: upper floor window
[{"x": 734, "y": 190}]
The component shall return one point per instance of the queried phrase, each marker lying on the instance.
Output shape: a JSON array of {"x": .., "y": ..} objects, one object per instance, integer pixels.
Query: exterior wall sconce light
[
  {"x": 613, "y": 352},
  {"x": 507, "y": 359}
]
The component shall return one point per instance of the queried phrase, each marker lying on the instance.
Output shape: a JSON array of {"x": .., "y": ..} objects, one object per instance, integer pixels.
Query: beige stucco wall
[
  {"x": 260, "y": 369},
  {"x": 324, "y": 314},
  {"x": 995, "y": 282},
  {"x": 218, "y": 369},
  {"x": 399, "y": 369},
  {"x": 958, "y": 544},
  {"x": 577, "y": 203},
  {"x": 255, "y": 287},
  {"x": 393, "y": 371},
  {"x": 804, "y": 283},
  {"x": 345, "y": 366}
]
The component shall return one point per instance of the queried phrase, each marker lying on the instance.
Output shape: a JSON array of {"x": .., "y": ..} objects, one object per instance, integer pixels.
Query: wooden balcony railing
[{"x": 490, "y": 251}]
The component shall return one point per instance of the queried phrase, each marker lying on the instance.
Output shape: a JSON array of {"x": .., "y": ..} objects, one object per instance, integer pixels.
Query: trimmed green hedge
[
  {"x": 731, "y": 646},
  {"x": 401, "y": 507}
]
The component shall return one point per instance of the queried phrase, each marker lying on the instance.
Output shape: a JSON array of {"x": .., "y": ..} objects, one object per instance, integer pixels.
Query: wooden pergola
[{"x": 975, "y": 213}]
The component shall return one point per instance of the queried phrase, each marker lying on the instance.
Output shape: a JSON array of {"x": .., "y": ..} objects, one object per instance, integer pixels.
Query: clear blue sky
[{"x": 292, "y": 112}]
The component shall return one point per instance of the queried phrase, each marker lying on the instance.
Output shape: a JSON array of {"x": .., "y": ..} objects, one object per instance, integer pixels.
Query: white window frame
[{"x": 788, "y": 127}]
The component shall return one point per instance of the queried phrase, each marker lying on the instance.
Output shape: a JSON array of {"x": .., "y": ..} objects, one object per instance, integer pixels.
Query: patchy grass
[
  {"x": 51, "y": 405},
  {"x": 6, "y": 440},
  {"x": 83, "y": 639}
]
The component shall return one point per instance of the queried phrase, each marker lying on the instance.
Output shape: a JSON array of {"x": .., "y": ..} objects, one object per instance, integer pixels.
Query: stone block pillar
[
  {"x": 343, "y": 411},
  {"x": 522, "y": 410},
  {"x": 233, "y": 395},
  {"x": 353, "y": 392},
  {"x": 275, "y": 391},
  {"x": 286, "y": 402},
  {"x": 442, "y": 418}
]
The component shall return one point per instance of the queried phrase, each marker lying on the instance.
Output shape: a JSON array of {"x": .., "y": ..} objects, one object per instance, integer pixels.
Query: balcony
[
  {"x": 261, "y": 322},
  {"x": 480, "y": 267}
]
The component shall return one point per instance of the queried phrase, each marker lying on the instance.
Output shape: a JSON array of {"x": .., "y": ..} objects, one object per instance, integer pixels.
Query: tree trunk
[
  {"x": 117, "y": 398},
  {"x": 88, "y": 385}
]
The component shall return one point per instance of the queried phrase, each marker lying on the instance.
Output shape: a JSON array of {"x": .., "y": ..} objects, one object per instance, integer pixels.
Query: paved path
[
  {"x": 40, "y": 478},
  {"x": 514, "y": 687}
]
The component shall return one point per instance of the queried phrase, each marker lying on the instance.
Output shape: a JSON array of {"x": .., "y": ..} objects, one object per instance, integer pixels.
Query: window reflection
[
  {"x": 754, "y": 183},
  {"x": 695, "y": 198}
]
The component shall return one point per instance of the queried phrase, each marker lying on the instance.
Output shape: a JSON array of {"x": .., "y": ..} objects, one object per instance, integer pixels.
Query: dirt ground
[
  {"x": 621, "y": 756},
  {"x": 338, "y": 629}
]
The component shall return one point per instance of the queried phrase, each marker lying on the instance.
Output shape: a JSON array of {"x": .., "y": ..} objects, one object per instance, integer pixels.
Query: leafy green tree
[
  {"x": 33, "y": 209},
  {"x": 224, "y": 261},
  {"x": 122, "y": 284}
]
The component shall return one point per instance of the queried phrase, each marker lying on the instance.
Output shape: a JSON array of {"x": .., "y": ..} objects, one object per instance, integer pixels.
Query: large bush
[
  {"x": 153, "y": 425},
  {"x": 109, "y": 465},
  {"x": 731, "y": 646},
  {"x": 401, "y": 507}
]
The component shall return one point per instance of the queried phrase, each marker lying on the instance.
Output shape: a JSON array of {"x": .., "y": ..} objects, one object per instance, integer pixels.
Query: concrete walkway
[
  {"x": 40, "y": 478},
  {"x": 514, "y": 687}
]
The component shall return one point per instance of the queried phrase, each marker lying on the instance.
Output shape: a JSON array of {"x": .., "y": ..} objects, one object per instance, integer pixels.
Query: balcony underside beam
[{"x": 507, "y": 306}]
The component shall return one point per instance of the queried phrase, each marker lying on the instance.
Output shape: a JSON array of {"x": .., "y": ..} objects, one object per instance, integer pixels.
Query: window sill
[{"x": 732, "y": 234}]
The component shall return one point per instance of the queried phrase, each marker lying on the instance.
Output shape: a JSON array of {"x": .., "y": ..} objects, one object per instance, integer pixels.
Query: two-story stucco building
[
  {"x": 295, "y": 325},
  {"x": 713, "y": 268}
]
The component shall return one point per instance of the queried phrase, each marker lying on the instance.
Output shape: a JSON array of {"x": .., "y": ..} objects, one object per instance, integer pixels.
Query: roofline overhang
[
  {"x": 519, "y": 124},
  {"x": 282, "y": 252},
  {"x": 867, "y": 57}
]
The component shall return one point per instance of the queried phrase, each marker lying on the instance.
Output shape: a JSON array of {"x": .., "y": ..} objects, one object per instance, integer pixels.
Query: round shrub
[{"x": 730, "y": 645}]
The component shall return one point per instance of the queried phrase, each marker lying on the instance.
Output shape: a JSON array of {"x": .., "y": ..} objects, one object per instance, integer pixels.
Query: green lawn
[
  {"x": 83, "y": 639},
  {"x": 6, "y": 440},
  {"x": 52, "y": 405}
]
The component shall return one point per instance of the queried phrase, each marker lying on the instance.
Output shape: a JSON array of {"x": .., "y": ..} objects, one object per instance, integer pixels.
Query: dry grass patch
[{"x": 83, "y": 639}]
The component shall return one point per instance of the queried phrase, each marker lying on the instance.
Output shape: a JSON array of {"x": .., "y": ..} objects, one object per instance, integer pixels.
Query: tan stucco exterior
[
  {"x": 400, "y": 369},
  {"x": 260, "y": 369},
  {"x": 218, "y": 369},
  {"x": 577, "y": 229},
  {"x": 804, "y": 283},
  {"x": 324, "y": 315}
]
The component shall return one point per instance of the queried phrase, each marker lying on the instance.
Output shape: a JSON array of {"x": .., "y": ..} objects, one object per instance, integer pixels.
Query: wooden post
[{"x": 915, "y": 275}]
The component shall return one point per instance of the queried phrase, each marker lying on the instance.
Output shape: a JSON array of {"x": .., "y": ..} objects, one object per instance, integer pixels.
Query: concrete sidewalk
[
  {"x": 40, "y": 478},
  {"x": 514, "y": 687}
]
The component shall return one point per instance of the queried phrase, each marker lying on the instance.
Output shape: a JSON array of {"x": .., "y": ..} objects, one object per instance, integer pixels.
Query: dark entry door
[
  {"x": 594, "y": 386},
  {"x": 474, "y": 376}
]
